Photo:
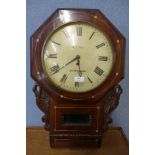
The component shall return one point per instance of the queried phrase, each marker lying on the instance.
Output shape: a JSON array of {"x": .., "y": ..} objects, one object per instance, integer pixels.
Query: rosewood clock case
[{"x": 76, "y": 119}]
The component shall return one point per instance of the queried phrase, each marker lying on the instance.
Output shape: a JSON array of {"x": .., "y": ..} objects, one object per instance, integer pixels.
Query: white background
[{"x": 13, "y": 78}]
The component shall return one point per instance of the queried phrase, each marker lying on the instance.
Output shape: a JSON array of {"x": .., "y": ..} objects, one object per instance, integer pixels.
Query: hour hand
[
  {"x": 59, "y": 68},
  {"x": 76, "y": 58}
]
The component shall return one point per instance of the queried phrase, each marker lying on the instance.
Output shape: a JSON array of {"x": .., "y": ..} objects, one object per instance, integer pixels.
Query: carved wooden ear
[
  {"x": 118, "y": 90},
  {"x": 36, "y": 89},
  {"x": 42, "y": 102}
]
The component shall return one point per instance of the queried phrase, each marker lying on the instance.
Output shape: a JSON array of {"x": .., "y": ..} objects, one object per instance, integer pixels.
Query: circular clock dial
[{"x": 78, "y": 57}]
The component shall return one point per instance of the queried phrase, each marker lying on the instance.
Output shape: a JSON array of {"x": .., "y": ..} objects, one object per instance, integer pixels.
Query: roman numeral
[
  {"x": 98, "y": 71},
  {"x": 63, "y": 79},
  {"x": 100, "y": 45},
  {"x": 76, "y": 84},
  {"x": 55, "y": 43},
  {"x": 79, "y": 31},
  {"x": 66, "y": 34},
  {"x": 91, "y": 35},
  {"x": 54, "y": 69},
  {"x": 102, "y": 58},
  {"x": 52, "y": 55},
  {"x": 89, "y": 80}
]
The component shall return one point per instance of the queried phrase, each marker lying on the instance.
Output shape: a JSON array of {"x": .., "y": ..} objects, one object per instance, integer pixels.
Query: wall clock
[{"x": 77, "y": 61}]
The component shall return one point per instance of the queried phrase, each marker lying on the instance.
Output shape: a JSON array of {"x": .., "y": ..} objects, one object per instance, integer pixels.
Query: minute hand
[{"x": 76, "y": 58}]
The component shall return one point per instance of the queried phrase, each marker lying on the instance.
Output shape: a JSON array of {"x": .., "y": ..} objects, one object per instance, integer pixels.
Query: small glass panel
[{"x": 77, "y": 119}]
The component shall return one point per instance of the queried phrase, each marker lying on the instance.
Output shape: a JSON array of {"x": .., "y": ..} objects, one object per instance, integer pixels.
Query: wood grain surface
[{"x": 114, "y": 142}]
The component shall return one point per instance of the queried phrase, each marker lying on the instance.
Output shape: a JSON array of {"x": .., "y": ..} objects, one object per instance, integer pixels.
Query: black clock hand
[
  {"x": 76, "y": 58},
  {"x": 78, "y": 63}
]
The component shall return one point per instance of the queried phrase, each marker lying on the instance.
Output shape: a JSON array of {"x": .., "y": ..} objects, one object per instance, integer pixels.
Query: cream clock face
[{"x": 78, "y": 57}]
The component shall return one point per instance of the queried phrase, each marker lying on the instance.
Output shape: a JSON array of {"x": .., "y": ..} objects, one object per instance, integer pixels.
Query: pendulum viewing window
[{"x": 77, "y": 119}]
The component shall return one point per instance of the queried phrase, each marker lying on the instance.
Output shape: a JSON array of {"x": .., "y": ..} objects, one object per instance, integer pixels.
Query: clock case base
[
  {"x": 76, "y": 125},
  {"x": 80, "y": 142}
]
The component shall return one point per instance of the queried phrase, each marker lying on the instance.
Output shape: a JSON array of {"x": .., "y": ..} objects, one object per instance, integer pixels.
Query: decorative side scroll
[
  {"x": 42, "y": 101},
  {"x": 111, "y": 101}
]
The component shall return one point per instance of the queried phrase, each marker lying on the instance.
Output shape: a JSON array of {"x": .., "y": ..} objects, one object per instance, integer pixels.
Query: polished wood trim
[
  {"x": 52, "y": 100},
  {"x": 57, "y": 19}
]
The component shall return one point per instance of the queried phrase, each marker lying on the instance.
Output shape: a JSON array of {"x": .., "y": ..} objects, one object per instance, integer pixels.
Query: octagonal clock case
[{"x": 77, "y": 61}]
